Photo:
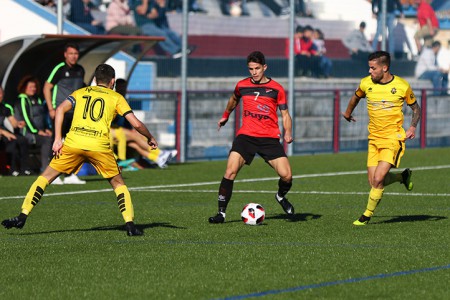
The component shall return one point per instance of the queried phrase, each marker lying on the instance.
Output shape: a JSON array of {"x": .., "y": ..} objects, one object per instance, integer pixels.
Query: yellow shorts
[
  {"x": 388, "y": 150},
  {"x": 72, "y": 159}
]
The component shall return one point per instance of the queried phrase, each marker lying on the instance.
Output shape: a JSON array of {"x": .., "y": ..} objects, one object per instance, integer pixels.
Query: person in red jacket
[{"x": 428, "y": 24}]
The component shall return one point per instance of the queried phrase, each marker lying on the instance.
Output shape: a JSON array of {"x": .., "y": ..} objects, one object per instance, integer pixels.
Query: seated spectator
[
  {"x": 325, "y": 64},
  {"x": 15, "y": 145},
  {"x": 234, "y": 8},
  {"x": 443, "y": 58},
  {"x": 150, "y": 16},
  {"x": 357, "y": 43},
  {"x": 81, "y": 15},
  {"x": 119, "y": 19},
  {"x": 32, "y": 110},
  {"x": 428, "y": 24},
  {"x": 306, "y": 59},
  {"x": 193, "y": 6},
  {"x": 427, "y": 68}
]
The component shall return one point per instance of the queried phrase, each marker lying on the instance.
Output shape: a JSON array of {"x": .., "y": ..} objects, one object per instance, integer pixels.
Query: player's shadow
[
  {"x": 142, "y": 227},
  {"x": 410, "y": 218},
  {"x": 299, "y": 217}
]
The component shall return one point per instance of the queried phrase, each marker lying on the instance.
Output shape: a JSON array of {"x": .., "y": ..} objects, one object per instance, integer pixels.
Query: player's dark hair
[
  {"x": 71, "y": 45},
  {"x": 256, "y": 57},
  {"x": 104, "y": 73},
  {"x": 383, "y": 57}
]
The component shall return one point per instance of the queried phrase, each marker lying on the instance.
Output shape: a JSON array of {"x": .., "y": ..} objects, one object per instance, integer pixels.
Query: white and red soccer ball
[{"x": 253, "y": 214}]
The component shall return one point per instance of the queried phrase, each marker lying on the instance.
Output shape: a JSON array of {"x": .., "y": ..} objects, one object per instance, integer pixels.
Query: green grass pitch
[{"x": 74, "y": 246}]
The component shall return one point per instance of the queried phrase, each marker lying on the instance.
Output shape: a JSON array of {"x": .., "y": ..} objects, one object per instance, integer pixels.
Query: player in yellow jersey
[
  {"x": 385, "y": 94},
  {"x": 88, "y": 141}
]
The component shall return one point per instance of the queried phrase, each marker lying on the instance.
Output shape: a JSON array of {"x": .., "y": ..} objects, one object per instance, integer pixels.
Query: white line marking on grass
[{"x": 164, "y": 188}]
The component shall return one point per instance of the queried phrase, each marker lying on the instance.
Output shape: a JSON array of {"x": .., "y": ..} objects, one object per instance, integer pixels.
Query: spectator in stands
[
  {"x": 428, "y": 24},
  {"x": 193, "y": 6},
  {"x": 14, "y": 144},
  {"x": 427, "y": 67},
  {"x": 391, "y": 7},
  {"x": 120, "y": 19},
  {"x": 443, "y": 58},
  {"x": 325, "y": 64},
  {"x": 306, "y": 59},
  {"x": 357, "y": 43},
  {"x": 151, "y": 17},
  {"x": 31, "y": 109},
  {"x": 81, "y": 14},
  {"x": 234, "y": 8},
  {"x": 400, "y": 40}
]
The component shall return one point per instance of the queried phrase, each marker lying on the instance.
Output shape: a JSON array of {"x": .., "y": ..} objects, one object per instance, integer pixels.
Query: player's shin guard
[
  {"x": 225, "y": 192},
  {"x": 124, "y": 203},
  {"x": 34, "y": 194},
  {"x": 283, "y": 188},
  {"x": 374, "y": 198}
]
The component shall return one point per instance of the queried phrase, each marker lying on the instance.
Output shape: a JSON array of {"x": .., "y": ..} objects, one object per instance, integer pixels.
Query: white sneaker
[
  {"x": 163, "y": 158},
  {"x": 73, "y": 179},
  {"x": 58, "y": 181}
]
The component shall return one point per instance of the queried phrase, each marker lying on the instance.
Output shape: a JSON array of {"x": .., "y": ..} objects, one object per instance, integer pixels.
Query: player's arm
[
  {"x": 354, "y": 100},
  {"x": 416, "y": 112},
  {"x": 64, "y": 107},
  {"x": 47, "y": 91},
  {"x": 287, "y": 125},
  {"x": 142, "y": 129},
  {"x": 232, "y": 103}
]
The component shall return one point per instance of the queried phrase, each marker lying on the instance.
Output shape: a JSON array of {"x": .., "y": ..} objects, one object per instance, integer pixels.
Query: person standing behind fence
[
  {"x": 88, "y": 141},
  {"x": 259, "y": 134},
  {"x": 31, "y": 109},
  {"x": 385, "y": 94},
  {"x": 391, "y": 7},
  {"x": 65, "y": 78}
]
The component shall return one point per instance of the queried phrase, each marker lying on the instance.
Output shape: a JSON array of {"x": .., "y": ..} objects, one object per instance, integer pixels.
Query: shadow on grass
[
  {"x": 142, "y": 227},
  {"x": 412, "y": 218},
  {"x": 295, "y": 217}
]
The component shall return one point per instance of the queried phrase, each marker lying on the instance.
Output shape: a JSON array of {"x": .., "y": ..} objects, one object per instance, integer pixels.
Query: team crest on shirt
[{"x": 394, "y": 90}]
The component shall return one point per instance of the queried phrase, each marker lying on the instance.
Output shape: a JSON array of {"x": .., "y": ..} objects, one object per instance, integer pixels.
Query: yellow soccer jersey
[
  {"x": 95, "y": 108},
  {"x": 384, "y": 106}
]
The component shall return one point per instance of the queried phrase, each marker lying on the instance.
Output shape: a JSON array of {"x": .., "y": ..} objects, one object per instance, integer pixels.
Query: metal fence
[{"x": 317, "y": 122}]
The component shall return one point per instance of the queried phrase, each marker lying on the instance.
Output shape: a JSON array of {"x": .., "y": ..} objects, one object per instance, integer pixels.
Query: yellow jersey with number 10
[
  {"x": 95, "y": 107},
  {"x": 384, "y": 106}
]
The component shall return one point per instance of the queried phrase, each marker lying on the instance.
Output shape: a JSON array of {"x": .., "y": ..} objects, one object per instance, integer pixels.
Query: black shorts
[{"x": 248, "y": 146}]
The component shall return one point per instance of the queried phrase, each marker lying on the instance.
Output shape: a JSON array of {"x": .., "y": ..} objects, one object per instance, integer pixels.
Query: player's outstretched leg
[
  {"x": 132, "y": 230},
  {"x": 17, "y": 222},
  {"x": 225, "y": 192},
  {"x": 406, "y": 179}
]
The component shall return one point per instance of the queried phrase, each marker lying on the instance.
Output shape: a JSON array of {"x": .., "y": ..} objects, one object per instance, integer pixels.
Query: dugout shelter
[{"x": 37, "y": 55}]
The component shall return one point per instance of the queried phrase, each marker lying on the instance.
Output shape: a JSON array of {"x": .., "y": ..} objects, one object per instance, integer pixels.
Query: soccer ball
[{"x": 253, "y": 214}]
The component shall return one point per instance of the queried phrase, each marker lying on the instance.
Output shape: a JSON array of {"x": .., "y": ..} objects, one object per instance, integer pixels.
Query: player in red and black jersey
[{"x": 259, "y": 134}]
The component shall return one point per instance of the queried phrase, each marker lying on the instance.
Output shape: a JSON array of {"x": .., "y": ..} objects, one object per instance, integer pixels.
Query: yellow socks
[
  {"x": 124, "y": 203},
  {"x": 374, "y": 198},
  {"x": 153, "y": 154},
  {"x": 34, "y": 194}
]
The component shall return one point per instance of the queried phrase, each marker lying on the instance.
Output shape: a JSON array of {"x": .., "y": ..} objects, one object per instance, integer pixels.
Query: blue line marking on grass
[{"x": 337, "y": 282}]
